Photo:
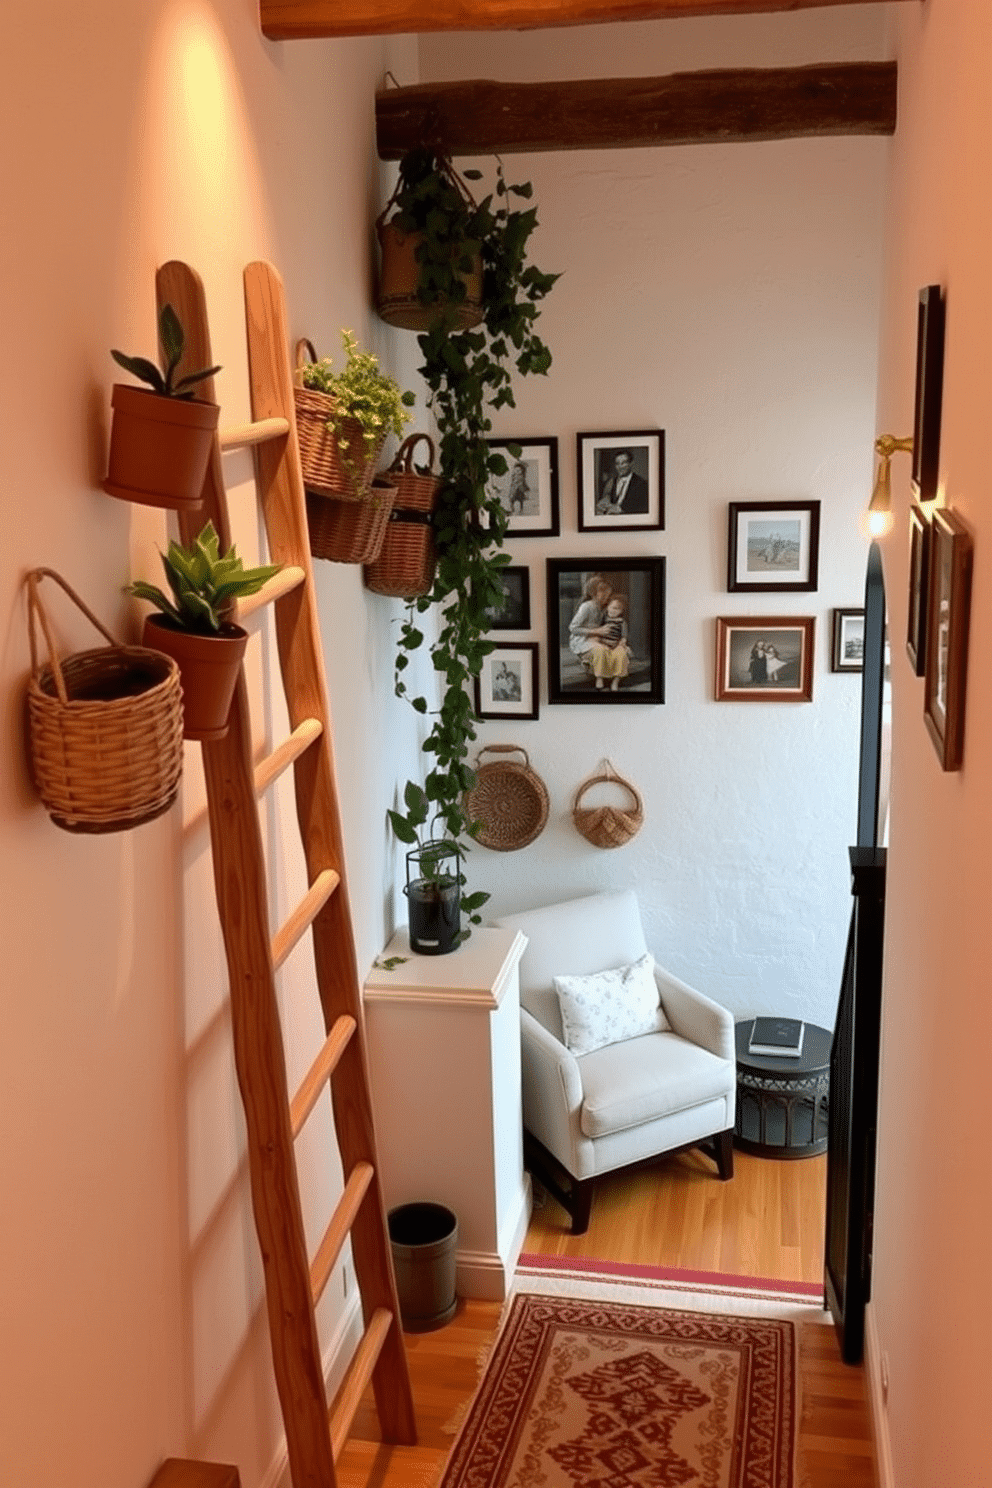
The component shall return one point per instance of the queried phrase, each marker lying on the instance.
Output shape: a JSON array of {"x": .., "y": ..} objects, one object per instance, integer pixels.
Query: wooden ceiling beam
[
  {"x": 288, "y": 20},
  {"x": 686, "y": 108}
]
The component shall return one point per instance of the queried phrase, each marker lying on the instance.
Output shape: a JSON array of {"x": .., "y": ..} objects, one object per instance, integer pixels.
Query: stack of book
[{"x": 782, "y": 1037}]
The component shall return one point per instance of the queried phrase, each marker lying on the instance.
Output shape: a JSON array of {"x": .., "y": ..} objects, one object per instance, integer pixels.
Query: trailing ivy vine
[{"x": 469, "y": 373}]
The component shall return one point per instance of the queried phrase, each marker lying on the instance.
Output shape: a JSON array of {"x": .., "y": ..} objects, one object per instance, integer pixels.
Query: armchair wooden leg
[
  {"x": 723, "y": 1151},
  {"x": 580, "y": 1207}
]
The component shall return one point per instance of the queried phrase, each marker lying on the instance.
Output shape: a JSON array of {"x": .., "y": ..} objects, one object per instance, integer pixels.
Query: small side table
[{"x": 782, "y": 1103}]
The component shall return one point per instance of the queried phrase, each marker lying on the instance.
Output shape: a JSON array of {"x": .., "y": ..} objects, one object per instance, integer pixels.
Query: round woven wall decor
[
  {"x": 608, "y": 826},
  {"x": 509, "y": 799}
]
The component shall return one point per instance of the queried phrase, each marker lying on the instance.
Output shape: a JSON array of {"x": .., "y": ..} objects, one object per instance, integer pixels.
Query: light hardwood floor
[{"x": 767, "y": 1222}]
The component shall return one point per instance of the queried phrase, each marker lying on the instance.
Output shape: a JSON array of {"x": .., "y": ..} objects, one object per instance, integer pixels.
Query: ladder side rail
[
  {"x": 242, "y": 901},
  {"x": 298, "y": 641}
]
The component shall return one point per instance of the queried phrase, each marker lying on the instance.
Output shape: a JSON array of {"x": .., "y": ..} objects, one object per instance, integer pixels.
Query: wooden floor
[{"x": 767, "y": 1222}]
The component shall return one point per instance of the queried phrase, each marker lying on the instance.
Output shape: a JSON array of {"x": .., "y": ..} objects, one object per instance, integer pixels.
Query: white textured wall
[
  {"x": 131, "y": 1314},
  {"x": 934, "y": 1208},
  {"x": 730, "y": 296}
]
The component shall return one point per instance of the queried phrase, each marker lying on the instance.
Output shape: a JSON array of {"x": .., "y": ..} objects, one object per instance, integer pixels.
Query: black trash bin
[{"x": 424, "y": 1241}]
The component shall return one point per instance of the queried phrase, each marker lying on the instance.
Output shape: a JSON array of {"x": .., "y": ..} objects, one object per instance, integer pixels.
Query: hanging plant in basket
[
  {"x": 104, "y": 727},
  {"x": 191, "y": 626},
  {"x": 469, "y": 373},
  {"x": 160, "y": 440},
  {"x": 407, "y": 561},
  {"x": 431, "y": 247}
]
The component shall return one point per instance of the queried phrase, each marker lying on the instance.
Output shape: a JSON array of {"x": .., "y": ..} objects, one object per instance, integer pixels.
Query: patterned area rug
[{"x": 601, "y": 1394}]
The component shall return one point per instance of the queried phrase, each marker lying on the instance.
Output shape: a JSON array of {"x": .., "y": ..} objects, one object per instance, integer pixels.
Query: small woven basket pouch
[
  {"x": 608, "y": 826},
  {"x": 509, "y": 798},
  {"x": 407, "y": 561},
  {"x": 351, "y": 531},
  {"x": 332, "y": 465},
  {"x": 105, "y": 727}
]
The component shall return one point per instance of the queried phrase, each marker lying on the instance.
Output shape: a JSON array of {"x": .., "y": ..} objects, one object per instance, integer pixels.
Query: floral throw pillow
[{"x": 610, "y": 1006}]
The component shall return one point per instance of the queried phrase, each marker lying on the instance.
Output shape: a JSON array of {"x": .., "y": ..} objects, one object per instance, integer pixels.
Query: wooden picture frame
[
  {"x": 919, "y": 583},
  {"x": 748, "y": 646},
  {"x": 514, "y": 612},
  {"x": 948, "y": 613},
  {"x": 773, "y": 547},
  {"x": 847, "y": 651},
  {"x": 507, "y": 685},
  {"x": 527, "y": 489},
  {"x": 930, "y": 322},
  {"x": 603, "y": 654},
  {"x": 637, "y": 459}
]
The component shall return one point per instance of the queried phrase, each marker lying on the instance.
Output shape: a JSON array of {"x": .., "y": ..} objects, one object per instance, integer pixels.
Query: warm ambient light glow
[{"x": 880, "y": 505}]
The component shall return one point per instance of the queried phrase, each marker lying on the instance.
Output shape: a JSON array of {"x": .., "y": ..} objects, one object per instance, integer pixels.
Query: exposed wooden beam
[
  {"x": 287, "y": 20},
  {"x": 687, "y": 108}
]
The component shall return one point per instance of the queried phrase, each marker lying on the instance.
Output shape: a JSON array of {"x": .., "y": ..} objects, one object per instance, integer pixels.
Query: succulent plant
[{"x": 204, "y": 582}]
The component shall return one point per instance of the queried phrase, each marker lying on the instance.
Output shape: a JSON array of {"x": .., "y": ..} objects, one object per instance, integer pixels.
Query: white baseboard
[
  {"x": 487, "y": 1275},
  {"x": 876, "y": 1402}
]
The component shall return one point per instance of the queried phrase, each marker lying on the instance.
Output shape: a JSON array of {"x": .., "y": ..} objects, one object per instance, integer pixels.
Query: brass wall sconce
[{"x": 880, "y": 505}]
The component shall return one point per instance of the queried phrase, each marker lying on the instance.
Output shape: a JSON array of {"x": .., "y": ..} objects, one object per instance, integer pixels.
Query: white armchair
[{"x": 627, "y": 1101}]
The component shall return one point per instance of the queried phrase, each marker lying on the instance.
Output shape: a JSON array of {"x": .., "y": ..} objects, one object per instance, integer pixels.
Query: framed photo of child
[
  {"x": 526, "y": 486},
  {"x": 606, "y": 630},
  {"x": 507, "y": 685}
]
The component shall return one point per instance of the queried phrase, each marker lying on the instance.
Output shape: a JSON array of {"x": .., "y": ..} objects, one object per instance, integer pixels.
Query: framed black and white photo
[
  {"x": 929, "y": 392},
  {"x": 606, "y": 630},
  {"x": 773, "y": 546},
  {"x": 919, "y": 582},
  {"x": 507, "y": 685},
  {"x": 763, "y": 658},
  {"x": 513, "y": 612},
  {"x": 621, "y": 479},
  {"x": 947, "y": 637},
  {"x": 527, "y": 489},
  {"x": 847, "y": 653}
]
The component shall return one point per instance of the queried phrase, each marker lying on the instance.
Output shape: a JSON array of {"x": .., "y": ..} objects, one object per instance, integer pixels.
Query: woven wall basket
[
  {"x": 333, "y": 465},
  {"x": 105, "y": 727},
  {"x": 509, "y": 799},
  {"x": 608, "y": 826},
  {"x": 351, "y": 531},
  {"x": 407, "y": 560}
]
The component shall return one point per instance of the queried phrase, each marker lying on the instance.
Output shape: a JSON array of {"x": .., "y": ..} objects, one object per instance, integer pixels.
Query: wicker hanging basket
[
  {"x": 105, "y": 727},
  {"x": 407, "y": 560},
  {"x": 509, "y": 798},
  {"x": 397, "y": 301},
  {"x": 333, "y": 465},
  {"x": 608, "y": 826},
  {"x": 351, "y": 531}
]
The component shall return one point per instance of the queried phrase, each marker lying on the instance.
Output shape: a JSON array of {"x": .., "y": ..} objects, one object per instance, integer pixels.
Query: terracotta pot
[
  {"x": 159, "y": 448},
  {"x": 209, "y": 667},
  {"x": 397, "y": 303}
]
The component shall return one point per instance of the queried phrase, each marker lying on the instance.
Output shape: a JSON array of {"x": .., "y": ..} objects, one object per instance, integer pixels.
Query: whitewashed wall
[{"x": 729, "y": 295}]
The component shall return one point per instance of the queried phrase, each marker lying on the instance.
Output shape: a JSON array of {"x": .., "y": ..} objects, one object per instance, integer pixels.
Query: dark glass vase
[{"x": 434, "y": 895}]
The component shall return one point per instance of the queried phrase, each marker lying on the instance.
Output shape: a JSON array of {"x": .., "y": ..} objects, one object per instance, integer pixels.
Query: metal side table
[{"x": 781, "y": 1102}]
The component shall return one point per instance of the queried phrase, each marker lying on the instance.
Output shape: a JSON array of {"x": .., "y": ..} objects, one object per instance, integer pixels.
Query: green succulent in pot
[
  {"x": 166, "y": 383},
  {"x": 191, "y": 625}
]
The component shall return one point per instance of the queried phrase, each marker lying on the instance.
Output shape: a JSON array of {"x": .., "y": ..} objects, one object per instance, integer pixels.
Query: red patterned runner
[{"x": 581, "y": 1394}]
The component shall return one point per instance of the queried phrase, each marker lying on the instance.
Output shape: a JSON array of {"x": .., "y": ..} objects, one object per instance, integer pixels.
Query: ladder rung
[
  {"x": 358, "y": 1377},
  {"x": 272, "y": 766},
  {"x": 240, "y": 436},
  {"x": 303, "y": 915},
  {"x": 281, "y": 584},
  {"x": 337, "y": 1231},
  {"x": 320, "y": 1071}
]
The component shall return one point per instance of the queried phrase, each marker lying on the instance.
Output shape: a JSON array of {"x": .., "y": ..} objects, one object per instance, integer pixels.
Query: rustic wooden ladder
[{"x": 293, "y": 1284}]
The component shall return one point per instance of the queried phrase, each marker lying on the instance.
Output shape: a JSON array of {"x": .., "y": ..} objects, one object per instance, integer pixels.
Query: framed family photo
[
  {"x": 513, "y": 611},
  {"x": 606, "y": 630},
  {"x": 847, "y": 653},
  {"x": 773, "y": 546},
  {"x": 621, "y": 481},
  {"x": 919, "y": 583},
  {"x": 765, "y": 658},
  {"x": 527, "y": 489},
  {"x": 507, "y": 685},
  {"x": 929, "y": 391},
  {"x": 947, "y": 637}
]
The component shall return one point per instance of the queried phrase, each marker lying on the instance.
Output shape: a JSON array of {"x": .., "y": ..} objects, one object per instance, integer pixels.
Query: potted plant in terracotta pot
[
  {"x": 192, "y": 626},
  {"x": 431, "y": 246},
  {"x": 160, "y": 439}
]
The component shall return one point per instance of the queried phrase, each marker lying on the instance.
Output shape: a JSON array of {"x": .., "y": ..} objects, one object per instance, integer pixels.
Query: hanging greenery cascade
[{"x": 469, "y": 373}]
